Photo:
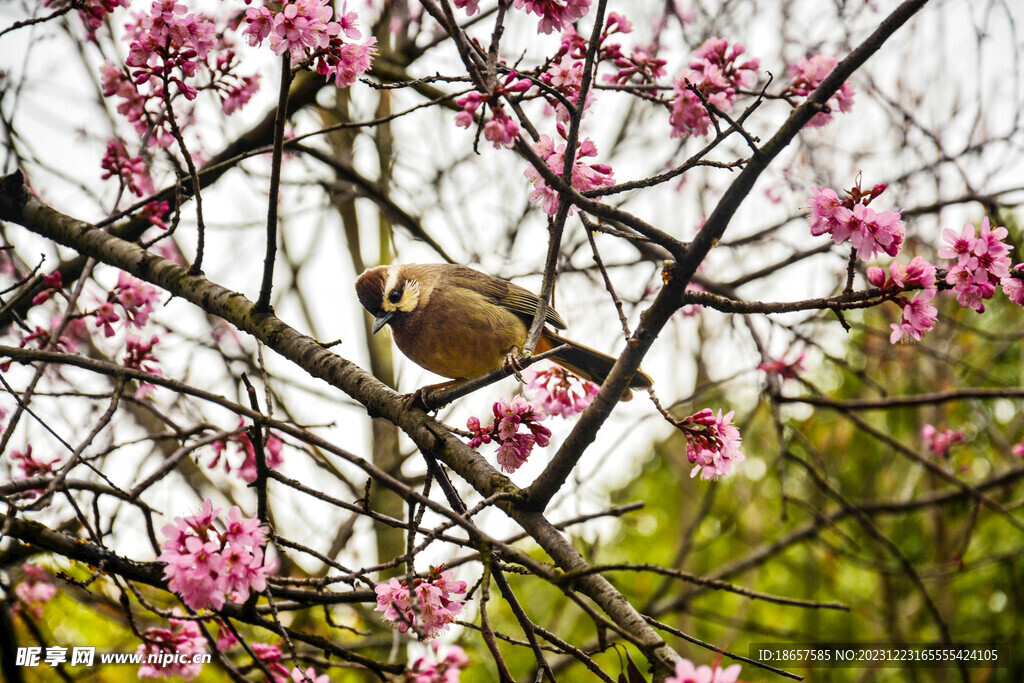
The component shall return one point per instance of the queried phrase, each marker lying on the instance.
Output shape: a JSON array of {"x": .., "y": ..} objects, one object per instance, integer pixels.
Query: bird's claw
[{"x": 511, "y": 365}]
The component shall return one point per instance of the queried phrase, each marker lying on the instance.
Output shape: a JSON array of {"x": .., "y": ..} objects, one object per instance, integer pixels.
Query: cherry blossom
[
  {"x": 513, "y": 447},
  {"x": 783, "y": 368},
  {"x": 1013, "y": 287},
  {"x": 433, "y": 667},
  {"x": 554, "y": 14},
  {"x": 686, "y": 672},
  {"x": 807, "y": 74},
  {"x": 559, "y": 392},
  {"x": 869, "y": 232},
  {"x": 241, "y": 443},
  {"x": 183, "y": 638},
  {"x": 35, "y": 589},
  {"x": 939, "y": 441},
  {"x": 131, "y": 171},
  {"x": 715, "y": 74},
  {"x": 712, "y": 443},
  {"x": 982, "y": 262},
  {"x": 435, "y": 608},
  {"x": 584, "y": 176},
  {"x": 206, "y": 566}
]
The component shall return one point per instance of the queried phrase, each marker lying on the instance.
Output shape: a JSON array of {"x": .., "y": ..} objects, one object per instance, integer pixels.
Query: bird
[{"x": 460, "y": 323}]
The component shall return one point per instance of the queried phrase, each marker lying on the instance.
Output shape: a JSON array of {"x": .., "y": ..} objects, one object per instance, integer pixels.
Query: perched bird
[{"x": 459, "y": 323}]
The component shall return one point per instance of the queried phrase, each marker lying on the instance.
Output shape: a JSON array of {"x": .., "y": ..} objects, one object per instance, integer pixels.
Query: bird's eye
[{"x": 395, "y": 296}]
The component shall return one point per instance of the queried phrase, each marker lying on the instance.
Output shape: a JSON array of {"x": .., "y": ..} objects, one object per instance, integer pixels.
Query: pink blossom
[
  {"x": 205, "y": 566},
  {"x": 436, "y": 608},
  {"x": 242, "y": 444},
  {"x": 183, "y": 638},
  {"x": 918, "y": 318},
  {"x": 501, "y": 131},
  {"x": 554, "y": 14},
  {"x": 309, "y": 676},
  {"x": 91, "y": 12},
  {"x": 271, "y": 657},
  {"x": 713, "y": 72},
  {"x": 105, "y": 315},
  {"x": 686, "y": 672},
  {"x": 260, "y": 22},
  {"x": 434, "y": 667},
  {"x": 35, "y": 589},
  {"x": 346, "y": 62},
  {"x": 785, "y": 369},
  {"x": 982, "y": 263},
  {"x": 513, "y": 447},
  {"x": 1018, "y": 450},
  {"x": 139, "y": 356},
  {"x": 559, "y": 392},
  {"x": 712, "y": 443},
  {"x": 1013, "y": 287},
  {"x": 237, "y": 96},
  {"x": 870, "y": 232},
  {"x": 807, "y": 74},
  {"x": 302, "y": 27},
  {"x": 136, "y": 297},
  {"x": 31, "y": 466},
  {"x": 131, "y": 171},
  {"x": 53, "y": 286},
  {"x": 939, "y": 441},
  {"x": 827, "y": 211},
  {"x": 584, "y": 176},
  {"x": 471, "y": 6}
]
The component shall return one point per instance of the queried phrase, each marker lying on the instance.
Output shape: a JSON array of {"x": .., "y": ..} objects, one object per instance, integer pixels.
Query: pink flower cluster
[
  {"x": 435, "y": 608},
  {"x": 206, "y": 566},
  {"x": 939, "y": 441},
  {"x": 584, "y": 176},
  {"x": 559, "y": 392},
  {"x": 868, "y": 231},
  {"x": 783, "y": 368},
  {"x": 183, "y": 638},
  {"x": 31, "y": 466},
  {"x": 169, "y": 46},
  {"x": 982, "y": 262},
  {"x": 34, "y": 590},
  {"x": 53, "y": 286},
  {"x": 139, "y": 356},
  {"x": 807, "y": 74},
  {"x": 435, "y": 668},
  {"x": 268, "y": 654},
  {"x": 500, "y": 131},
  {"x": 918, "y": 313},
  {"x": 91, "y": 12},
  {"x": 307, "y": 29},
  {"x": 131, "y": 171},
  {"x": 640, "y": 66},
  {"x": 712, "y": 443},
  {"x": 716, "y": 75},
  {"x": 686, "y": 672},
  {"x": 241, "y": 443},
  {"x": 554, "y": 14},
  {"x": 509, "y": 415},
  {"x": 135, "y": 296},
  {"x": 1013, "y": 285}
]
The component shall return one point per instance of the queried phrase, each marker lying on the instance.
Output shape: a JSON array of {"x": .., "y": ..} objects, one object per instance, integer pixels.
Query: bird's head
[{"x": 387, "y": 292}]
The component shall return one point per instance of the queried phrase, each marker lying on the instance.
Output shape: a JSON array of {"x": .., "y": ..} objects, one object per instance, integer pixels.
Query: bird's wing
[{"x": 511, "y": 296}]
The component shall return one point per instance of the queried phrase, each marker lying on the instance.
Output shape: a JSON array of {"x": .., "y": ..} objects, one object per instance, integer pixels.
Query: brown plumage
[{"x": 459, "y": 323}]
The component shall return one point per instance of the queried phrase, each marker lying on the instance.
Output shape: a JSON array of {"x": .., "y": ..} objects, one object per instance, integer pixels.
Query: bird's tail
[{"x": 586, "y": 362}]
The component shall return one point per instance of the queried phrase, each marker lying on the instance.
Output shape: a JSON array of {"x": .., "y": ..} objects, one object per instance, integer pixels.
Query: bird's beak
[{"x": 382, "y": 320}]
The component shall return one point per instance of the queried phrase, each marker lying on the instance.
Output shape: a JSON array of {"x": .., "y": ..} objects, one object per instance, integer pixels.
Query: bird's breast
[{"x": 459, "y": 334}]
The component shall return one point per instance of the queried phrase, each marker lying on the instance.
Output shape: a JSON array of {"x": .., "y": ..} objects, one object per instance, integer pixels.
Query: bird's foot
[
  {"x": 511, "y": 364},
  {"x": 420, "y": 397}
]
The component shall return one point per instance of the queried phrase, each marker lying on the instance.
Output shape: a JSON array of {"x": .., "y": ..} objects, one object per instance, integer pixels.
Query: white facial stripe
[
  {"x": 389, "y": 284},
  {"x": 410, "y": 296}
]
